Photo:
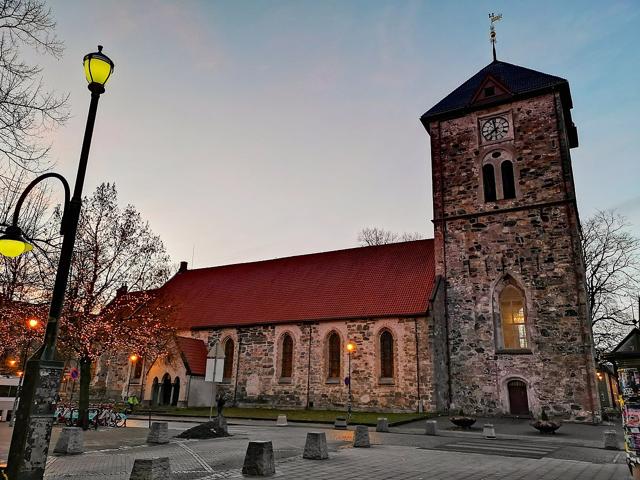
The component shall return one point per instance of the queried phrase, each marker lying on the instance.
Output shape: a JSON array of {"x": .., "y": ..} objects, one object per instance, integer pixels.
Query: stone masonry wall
[
  {"x": 532, "y": 245},
  {"x": 256, "y": 372}
]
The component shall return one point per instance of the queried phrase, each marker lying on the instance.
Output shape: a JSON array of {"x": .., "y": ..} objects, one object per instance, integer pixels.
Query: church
[{"x": 488, "y": 317}]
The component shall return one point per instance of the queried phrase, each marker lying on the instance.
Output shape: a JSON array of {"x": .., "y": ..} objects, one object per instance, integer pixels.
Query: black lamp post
[
  {"x": 35, "y": 415},
  {"x": 351, "y": 347}
]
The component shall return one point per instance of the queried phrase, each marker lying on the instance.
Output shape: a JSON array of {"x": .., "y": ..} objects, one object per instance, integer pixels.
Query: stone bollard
[
  {"x": 70, "y": 441},
  {"x": 259, "y": 459},
  {"x": 281, "y": 421},
  {"x": 431, "y": 428},
  {"x": 315, "y": 448},
  {"x": 159, "y": 433},
  {"x": 361, "y": 437},
  {"x": 488, "y": 431},
  {"x": 151, "y": 469},
  {"x": 340, "y": 423},
  {"x": 383, "y": 425},
  {"x": 610, "y": 440}
]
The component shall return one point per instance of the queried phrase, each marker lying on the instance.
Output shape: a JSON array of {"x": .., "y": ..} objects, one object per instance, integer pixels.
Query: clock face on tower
[{"x": 495, "y": 128}]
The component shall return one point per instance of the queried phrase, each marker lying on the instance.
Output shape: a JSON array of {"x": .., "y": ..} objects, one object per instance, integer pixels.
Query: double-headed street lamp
[
  {"x": 35, "y": 415},
  {"x": 133, "y": 358}
]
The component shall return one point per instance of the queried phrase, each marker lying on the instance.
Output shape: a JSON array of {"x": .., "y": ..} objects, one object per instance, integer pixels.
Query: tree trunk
[{"x": 83, "y": 403}]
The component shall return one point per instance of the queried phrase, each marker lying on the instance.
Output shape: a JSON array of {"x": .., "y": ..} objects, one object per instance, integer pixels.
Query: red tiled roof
[
  {"x": 194, "y": 354},
  {"x": 379, "y": 281}
]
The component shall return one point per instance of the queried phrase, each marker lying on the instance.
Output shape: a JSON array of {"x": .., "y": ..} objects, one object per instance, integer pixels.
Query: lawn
[{"x": 318, "y": 416}]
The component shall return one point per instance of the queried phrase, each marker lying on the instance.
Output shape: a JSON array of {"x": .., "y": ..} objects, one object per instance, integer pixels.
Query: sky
[{"x": 250, "y": 129}]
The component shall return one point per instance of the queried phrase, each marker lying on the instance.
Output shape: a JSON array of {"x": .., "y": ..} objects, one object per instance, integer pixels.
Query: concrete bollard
[
  {"x": 70, "y": 442},
  {"x": 151, "y": 469},
  {"x": 488, "y": 431},
  {"x": 383, "y": 425},
  {"x": 431, "y": 427},
  {"x": 159, "y": 433},
  {"x": 258, "y": 460},
  {"x": 610, "y": 438},
  {"x": 361, "y": 437},
  {"x": 315, "y": 448},
  {"x": 340, "y": 423},
  {"x": 281, "y": 421}
]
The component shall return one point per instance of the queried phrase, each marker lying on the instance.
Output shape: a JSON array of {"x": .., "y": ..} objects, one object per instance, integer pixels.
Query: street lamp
[
  {"x": 133, "y": 358},
  {"x": 35, "y": 415},
  {"x": 32, "y": 324},
  {"x": 351, "y": 347}
]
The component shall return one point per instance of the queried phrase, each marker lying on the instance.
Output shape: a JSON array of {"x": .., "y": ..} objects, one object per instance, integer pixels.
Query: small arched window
[
  {"x": 228, "y": 360},
  {"x": 334, "y": 356},
  {"x": 514, "y": 322},
  {"x": 489, "y": 182},
  {"x": 508, "y": 180},
  {"x": 287, "y": 356},
  {"x": 386, "y": 354}
]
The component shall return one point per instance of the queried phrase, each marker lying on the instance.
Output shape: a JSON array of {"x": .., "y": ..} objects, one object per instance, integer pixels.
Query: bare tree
[
  {"x": 378, "y": 236},
  {"x": 612, "y": 263},
  {"x": 27, "y": 109}
]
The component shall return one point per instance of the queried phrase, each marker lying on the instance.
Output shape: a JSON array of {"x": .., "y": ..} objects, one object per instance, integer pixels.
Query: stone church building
[{"x": 490, "y": 316}]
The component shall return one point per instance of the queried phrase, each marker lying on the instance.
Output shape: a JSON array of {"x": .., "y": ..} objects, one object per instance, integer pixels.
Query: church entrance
[
  {"x": 165, "y": 390},
  {"x": 518, "y": 401}
]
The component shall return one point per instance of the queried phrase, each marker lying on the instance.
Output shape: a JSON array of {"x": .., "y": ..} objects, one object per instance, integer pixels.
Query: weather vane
[{"x": 492, "y": 31}]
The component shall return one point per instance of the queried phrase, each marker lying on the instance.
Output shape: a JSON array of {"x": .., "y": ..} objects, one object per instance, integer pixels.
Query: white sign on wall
[{"x": 219, "y": 366}]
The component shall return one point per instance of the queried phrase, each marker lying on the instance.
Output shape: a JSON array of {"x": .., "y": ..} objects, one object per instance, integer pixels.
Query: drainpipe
[
  {"x": 415, "y": 325},
  {"x": 309, "y": 368},
  {"x": 235, "y": 388}
]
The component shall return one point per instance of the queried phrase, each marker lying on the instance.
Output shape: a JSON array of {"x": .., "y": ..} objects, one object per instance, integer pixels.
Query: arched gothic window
[
  {"x": 489, "y": 182},
  {"x": 286, "y": 369},
  {"x": 386, "y": 354},
  {"x": 334, "y": 352},
  {"x": 228, "y": 360},
  {"x": 508, "y": 181},
  {"x": 513, "y": 319}
]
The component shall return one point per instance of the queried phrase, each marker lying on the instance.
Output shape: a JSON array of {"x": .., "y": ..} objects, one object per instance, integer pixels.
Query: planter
[
  {"x": 462, "y": 422},
  {"x": 546, "y": 426}
]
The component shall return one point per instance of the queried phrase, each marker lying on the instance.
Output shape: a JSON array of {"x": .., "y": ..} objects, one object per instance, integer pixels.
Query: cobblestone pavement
[
  {"x": 391, "y": 456},
  {"x": 397, "y": 456}
]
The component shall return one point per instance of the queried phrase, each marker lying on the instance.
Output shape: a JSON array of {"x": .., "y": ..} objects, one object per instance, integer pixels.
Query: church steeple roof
[{"x": 519, "y": 81}]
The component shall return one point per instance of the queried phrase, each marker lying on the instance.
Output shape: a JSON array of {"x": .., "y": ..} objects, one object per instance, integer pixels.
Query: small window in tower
[
  {"x": 489, "y": 91},
  {"x": 508, "y": 182},
  {"x": 489, "y": 183}
]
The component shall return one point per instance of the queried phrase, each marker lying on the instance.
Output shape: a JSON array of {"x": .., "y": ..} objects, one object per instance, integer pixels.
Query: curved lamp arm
[{"x": 67, "y": 195}]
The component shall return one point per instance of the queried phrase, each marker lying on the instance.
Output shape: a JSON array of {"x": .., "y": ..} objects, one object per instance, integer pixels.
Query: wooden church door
[{"x": 518, "y": 402}]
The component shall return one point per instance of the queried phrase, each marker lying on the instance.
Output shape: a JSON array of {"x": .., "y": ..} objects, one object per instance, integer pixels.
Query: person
[{"x": 132, "y": 401}]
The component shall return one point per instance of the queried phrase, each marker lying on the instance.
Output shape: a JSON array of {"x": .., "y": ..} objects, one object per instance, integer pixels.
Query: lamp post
[
  {"x": 134, "y": 359},
  {"x": 351, "y": 347},
  {"x": 35, "y": 415},
  {"x": 32, "y": 324}
]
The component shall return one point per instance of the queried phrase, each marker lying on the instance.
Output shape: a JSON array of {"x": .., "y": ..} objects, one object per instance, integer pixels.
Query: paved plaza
[{"x": 400, "y": 454}]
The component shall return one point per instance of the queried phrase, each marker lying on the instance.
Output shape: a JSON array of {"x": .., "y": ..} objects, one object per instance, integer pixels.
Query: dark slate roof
[
  {"x": 379, "y": 281},
  {"x": 519, "y": 80}
]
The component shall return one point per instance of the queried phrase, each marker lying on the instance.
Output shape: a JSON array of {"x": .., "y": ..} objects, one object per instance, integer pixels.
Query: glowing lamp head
[
  {"x": 33, "y": 322},
  {"x": 12, "y": 243},
  {"x": 351, "y": 347},
  {"x": 98, "y": 69},
  {"x": 599, "y": 375},
  {"x": 133, "y": 358},
  {"x": 12, "y": 363},
  {"x": 19, "y": 373}
]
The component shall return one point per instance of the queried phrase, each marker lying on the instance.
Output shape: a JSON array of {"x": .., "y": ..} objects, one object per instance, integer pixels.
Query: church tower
[{"x": 507, "y": 244}]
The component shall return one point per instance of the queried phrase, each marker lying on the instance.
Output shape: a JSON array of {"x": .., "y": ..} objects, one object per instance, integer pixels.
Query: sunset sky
[{"x": 246, "y": 130}]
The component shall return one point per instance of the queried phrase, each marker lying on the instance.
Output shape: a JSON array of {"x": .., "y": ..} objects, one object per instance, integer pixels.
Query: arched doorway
[
  {"x": 176, "y": 392},
  {"x": 518, "y": 401},
  {"x": 165, "y": 390},
  {"x": 155, "y": 392}
]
